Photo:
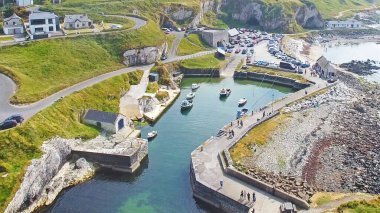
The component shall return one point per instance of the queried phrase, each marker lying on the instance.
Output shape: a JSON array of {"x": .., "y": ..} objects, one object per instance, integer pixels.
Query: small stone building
[
  {"x": 108, "y": 121},
  {"x": 215, "y": 38},
  {"x": 78, "y": 21},
  {"x": 324, "y": 68},
  {"x": 13, "y": 25}
]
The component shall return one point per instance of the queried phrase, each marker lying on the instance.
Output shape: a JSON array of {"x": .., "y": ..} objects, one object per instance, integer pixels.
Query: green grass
[
  {"x": 204, "y": 62},
  {"x": 6, "y": 38},
  {"x": 211, "y": 19},
  {"x": 190, "y": 45},
  {"x": 270, "y": 71},
  {"x": 52, "y": 65},
  {"x": 152, "y": 87},
  {"x": 363, "y": 206},
  {"x": 259, "y": 135},
  {"x": 20, "y": 145}
]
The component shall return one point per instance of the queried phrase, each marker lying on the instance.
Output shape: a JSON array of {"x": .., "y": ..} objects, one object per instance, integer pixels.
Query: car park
[
  {"x": 8, "y": 124},
  {"x": 18, "y": 118}
]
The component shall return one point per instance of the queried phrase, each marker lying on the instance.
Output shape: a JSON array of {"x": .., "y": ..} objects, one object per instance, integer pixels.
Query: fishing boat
[
  {"x": 190, "y": 96},
  {"x": 224, "y": 92},
  {"x": 242, "y": 102},
  {"x": 186, "y": 105},
  {"x": 241, "y": 113},
  {"x": 152, "y": 135},
  {"x": 195, "y": 86}
]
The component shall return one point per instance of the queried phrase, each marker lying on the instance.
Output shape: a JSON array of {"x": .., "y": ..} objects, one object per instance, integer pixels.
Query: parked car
[
  {"x": 244, "y": 67},
  {"x": 244, "y": 51},
  {"x": 230, "y": 50},
  {"x": 286, "y": 65},
  {"x": 250, "y": 45},
  {"x": 252, "y": 50},
  {"x": 248, "y": 60},
  {"x": 288, "y": 207},
  {"x": 8, "y": 124},
  {"x": 18, "y": 118}
]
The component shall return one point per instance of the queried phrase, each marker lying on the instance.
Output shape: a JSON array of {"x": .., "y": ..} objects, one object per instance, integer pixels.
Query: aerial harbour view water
[{"x": 163, "y": 183}]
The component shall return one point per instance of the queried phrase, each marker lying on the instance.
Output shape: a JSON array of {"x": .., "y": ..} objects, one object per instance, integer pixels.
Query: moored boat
[
  {"x": 152, "y": 135},
  {"x": 195, "y": 86},
  {"x": 186, "y": 104},
  {"x": 190, "y": 96},
  {"x": 224, "y": 92},
  {"x": 242, "y": 102}
]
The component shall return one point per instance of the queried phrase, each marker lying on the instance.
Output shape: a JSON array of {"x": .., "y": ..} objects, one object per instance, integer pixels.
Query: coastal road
[
  {"x": 8, "y": 88},
  {"x": 173, "y": 49}
]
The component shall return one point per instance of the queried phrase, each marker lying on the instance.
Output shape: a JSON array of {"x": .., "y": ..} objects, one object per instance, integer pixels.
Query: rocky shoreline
[
  {"x": 361, "y": 67},
  {"x": 329, "y": 141}
]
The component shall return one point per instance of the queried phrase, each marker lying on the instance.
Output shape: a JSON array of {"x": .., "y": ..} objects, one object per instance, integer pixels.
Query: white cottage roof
[{"x": 75, "y": 17}]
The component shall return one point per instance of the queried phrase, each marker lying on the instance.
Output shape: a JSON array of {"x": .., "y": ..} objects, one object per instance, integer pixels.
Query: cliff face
[{"x": 270, "y": 17}]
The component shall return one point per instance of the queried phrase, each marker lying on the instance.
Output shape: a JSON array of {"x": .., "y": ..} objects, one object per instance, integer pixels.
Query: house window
[
  {"x": 14, "y": 23},
  {"x": 77, "y": 25},
  {"x": 83, "y": 24},
  {"x": 50, "y": 21},
  {"x": 51, "y": 29}
]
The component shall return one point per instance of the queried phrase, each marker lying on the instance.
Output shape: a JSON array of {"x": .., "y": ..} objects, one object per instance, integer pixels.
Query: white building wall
[
  {"x": 10, "y": 30},
  {"x": 44, "y": 26},
  {"x": 24, "y": 3}
]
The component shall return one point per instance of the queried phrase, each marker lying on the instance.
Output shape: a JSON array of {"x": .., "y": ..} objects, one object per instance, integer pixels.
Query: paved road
[
  {"x": 208, "y": 168},
  {"x": 173, "y": 49},
  {"x": 8, "y": 88}
]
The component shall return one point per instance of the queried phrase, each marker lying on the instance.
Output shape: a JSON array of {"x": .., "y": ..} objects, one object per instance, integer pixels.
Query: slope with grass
[
  {"x": 203, "y": 62},
  {"x": 20, "y": 145},
  {"x": 259, "y": 135},
  {"x": 51, "y": 65},
  {"x": 191, "y": 44}
]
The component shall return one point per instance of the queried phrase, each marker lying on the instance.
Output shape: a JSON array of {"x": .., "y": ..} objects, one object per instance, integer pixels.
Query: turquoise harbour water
[{"x": 162, "y": 184}]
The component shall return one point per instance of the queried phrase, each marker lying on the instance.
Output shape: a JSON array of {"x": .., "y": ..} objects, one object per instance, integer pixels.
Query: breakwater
[{"x": 279, "y": 80}]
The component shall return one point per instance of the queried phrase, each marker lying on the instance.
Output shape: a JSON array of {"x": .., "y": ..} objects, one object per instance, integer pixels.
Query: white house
[
  {"x": 108, "y": 121},
  {"x": 348, "y": 24},
  {"x": 78, "y": 21},
  {"x": 325, "y": 69},
  {"x": 42, "y": 24},
  {"x": 13, "y": 25},
  {"x": 24, "y": 3}
]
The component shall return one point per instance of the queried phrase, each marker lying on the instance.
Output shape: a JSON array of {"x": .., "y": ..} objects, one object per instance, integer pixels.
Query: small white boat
[
  {"x": 190, "y": 96},
  {"x": 152, "y": 135},
  {"x": 242, "y": 102},
  {"x": 224, "y": 92},
  {"x": 186, "y": 104},
  {"x": 195, "y": 86}
]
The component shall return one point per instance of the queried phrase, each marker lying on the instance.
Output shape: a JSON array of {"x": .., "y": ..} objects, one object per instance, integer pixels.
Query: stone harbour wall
[
  {"x": 214, "y": 198},
  {"x": 271, "y": 79},
  {"x": 215, "y": 73}
]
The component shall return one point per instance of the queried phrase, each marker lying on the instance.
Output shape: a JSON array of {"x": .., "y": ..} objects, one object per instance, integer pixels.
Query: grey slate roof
[
  {"x": 42, "y": 15},
  {"x": 79, "y": 17},
  {"x": 100, "y": 116}
]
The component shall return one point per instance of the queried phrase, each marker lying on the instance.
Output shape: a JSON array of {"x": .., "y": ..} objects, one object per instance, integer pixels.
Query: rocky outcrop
[
  {"x": 275, "y": 16},
  {"x": 39, "y": 174},
  {"x": 147, "y": 55},
  {"x": 179, "y": 13},
  {"x": 309, "y": 17}
]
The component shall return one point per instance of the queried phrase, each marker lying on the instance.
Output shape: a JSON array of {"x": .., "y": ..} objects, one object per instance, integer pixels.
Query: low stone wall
[
  {"x": 213, "y": 197},
  {"x": 230, "y": 170},
  {"x": 271, "y": 79},
  {"x": 212, "y": 73}
]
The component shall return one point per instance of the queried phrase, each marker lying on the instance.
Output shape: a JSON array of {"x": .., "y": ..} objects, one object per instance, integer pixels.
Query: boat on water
[
  {"x": 242, "y": 102},
  {"x": 195, "y": 86},
  {"x": 241, "y": 113},
  {"x": 152, "y": 135},
  {"x": 190, "y": 96},
  {"x": 224, "y": 92},
  {"x": 186, "y": 105}
]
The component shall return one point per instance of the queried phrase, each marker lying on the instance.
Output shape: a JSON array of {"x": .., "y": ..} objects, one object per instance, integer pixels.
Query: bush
[{"x": 162, "y": 95}]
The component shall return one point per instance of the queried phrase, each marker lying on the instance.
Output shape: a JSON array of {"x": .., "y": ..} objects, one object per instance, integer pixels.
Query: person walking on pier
[
  {"x": 253, "y": 197},
  {"x": 249, "y": 197},
  {"x": 241, "y": 123},
  {"x": 233, "y": 133},
  {"x": 221, "y": 183},
  {"x": 241, "y": 194},
  {"x": 244, "y": 194}
]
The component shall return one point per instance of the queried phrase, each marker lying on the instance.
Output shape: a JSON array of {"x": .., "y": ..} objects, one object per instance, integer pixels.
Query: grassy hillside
[
  {"x": 44, "y": 67},
  {"x": 20, "y": 145},
  {"x": 190, "y": 45}
]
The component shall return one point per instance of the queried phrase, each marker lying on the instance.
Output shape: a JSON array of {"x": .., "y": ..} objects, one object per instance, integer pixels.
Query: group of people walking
[{"x": 245, "y": 195}]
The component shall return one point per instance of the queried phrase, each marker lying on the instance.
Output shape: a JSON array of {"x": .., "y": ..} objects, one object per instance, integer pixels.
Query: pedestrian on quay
[
  {"x": 264, "y": 114},
  {"x": 233, "y": 133},
  {"x": 241, "y": 194},
  {"x": 249, "y": 197},
  {"x": 231, "y": 123},
  {"x": 241, "y": 123},
  {"x": 221, "y": 183},
  {"x": 244, "y": 194},
  {"x": 253, "y": 197}
]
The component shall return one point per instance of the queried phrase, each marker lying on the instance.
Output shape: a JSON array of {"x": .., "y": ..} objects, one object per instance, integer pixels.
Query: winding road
[{"x": 8, "y": 89}]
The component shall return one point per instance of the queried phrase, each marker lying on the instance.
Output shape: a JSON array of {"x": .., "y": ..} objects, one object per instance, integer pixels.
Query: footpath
[{"x": 208, "y": 170}]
